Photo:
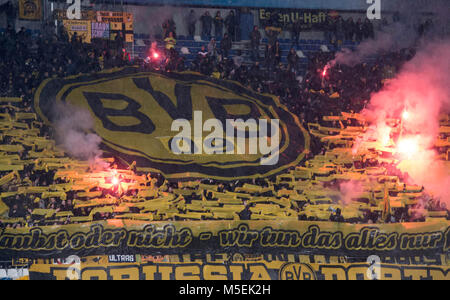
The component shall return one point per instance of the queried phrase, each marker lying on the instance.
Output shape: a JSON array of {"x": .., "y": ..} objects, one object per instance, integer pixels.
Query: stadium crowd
[{"x": 25, "y": 63}]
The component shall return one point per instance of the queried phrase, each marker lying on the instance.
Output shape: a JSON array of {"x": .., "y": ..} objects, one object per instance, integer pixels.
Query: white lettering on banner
[
  {"x": 374, "y": 271},
  {"x": 259, "y": 136},
  {"x": 121, "y": 258},
  {"x": 74, "y": 271},
  {"x": 13, "y": 273},
  {"x": 74, "y": 10},
  {"x": 374, "y": 11}
]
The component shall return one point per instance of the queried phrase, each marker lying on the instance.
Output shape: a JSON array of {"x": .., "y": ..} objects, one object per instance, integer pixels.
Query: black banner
[{"x": 258, "y": 237}]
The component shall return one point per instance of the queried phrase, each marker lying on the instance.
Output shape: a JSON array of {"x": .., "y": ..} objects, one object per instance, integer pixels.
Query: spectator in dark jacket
[
  {"x": 269, "y": 57},
  {"x": 255, "y": 41},
  {"x": 225, "y": 45},
  {"x": 119, "y": 41},
  {"x": 349, "y": 29},
  {"x": 10, "y": 11},
  {"x": 206, "y": 26},
  {"x": 296, "y": 29},
  {"x": 230, "y": 22},
  {"x": 368, "y": 31},
  {"x": 191, "y": 21},
  {"x": 359, "y": 30},
  {"x": 15, "y": 212},
  {"x": 272, "y": 34},
  {"x": 339, "y": 31},
  {"x": 277, "y": 52},
  {"x": 218, "y": 25},
  {"x": 293, "y": 60},
  {"x": 329, "y": 30},
  {"x": 168, "y": 27}
]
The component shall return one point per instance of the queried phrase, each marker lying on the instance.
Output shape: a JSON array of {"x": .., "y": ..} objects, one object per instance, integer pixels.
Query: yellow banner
[
  {"x": 30, "y": 9},
  {"x": 10, "y": 99},
  {"x": 129, "y": 37},
  {"x": 82, "y": 28},
  {"x": 129, "y": 26},
  {"x": 61, "y": 14},
  {"x": 255, "y": 270},
  {"x": 114, "y": 16},
  {"x": 7, "y": 178},
  {"x": 116, "y": 26}
]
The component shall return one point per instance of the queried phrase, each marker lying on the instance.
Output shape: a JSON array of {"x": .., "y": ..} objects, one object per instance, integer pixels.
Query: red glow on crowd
[
  {"x": 114, "y": 178},
  {"x": 115, "y": 181},
  {"x": 386, "y": 136}
]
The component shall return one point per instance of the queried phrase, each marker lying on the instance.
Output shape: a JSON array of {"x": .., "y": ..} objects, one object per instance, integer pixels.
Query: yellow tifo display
[{"x": 306, "y": 192}]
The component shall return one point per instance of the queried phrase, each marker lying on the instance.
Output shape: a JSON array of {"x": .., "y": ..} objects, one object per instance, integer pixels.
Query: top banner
[
  {"x": 286, "y": 18},
  {"x": 61, "y": 14},
  {"x": 114, "y": 16},
  {"x": 305, "y": 4},
  {"x": 98, "y": 16}
]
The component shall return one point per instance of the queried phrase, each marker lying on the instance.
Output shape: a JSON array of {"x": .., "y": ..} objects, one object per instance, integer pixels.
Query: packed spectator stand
[{"x": 42, "y": 193}]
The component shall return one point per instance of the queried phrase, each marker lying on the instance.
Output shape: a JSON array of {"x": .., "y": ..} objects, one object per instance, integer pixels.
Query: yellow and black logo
[
  {"x": 133, "y": 113},
  {"x": 297, "y": 271}
]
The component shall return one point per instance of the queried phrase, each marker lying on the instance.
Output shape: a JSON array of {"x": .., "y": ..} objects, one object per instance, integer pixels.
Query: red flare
[
  {"x": 325, "y": 70},
  {"x": 405, "y": 115},
  {"x": 408, "y": 147}
]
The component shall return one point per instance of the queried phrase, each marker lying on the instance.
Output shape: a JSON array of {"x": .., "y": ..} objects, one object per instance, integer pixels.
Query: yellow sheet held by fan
[
  {"x": 10, "y": 99},
  {"x": 46, "y": 213},
  {"x": 7, "y": 178},
  {"x": 61, "y": 195},
  {"x": 3, "y": 208}
]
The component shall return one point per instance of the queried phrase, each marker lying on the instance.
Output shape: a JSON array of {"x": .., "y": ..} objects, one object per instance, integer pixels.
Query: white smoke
[
  {"x": 74, "y": 132},
  {"x": 402, "y": 33},
  {"x": 422, "y": 88}
]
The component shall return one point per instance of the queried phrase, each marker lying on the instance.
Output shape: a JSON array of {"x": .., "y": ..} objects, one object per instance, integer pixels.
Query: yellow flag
[
  {"x": 30, "y": 9},
  {"x": 129, "y": 26},
  {"x": 129, "y": 38},
  {"x": 116, "y": 26},
  {"x": 7, "y": 178}
]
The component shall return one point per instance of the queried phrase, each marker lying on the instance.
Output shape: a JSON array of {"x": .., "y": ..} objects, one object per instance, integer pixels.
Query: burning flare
[
  {"x": 408, "y": 147},
  {"x": 405, "y": 115},
  {"x": 115, "y": 181}
]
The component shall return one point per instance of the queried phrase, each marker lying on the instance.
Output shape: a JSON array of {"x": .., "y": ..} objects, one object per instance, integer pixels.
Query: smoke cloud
[
  {"x": 400, "y": 34},
  {"x": 153, "y": 24},
  {"x": 422, "y": 90},
  {"x": 350, "y": 190},
  {"x": 391, "y": 38},
  {"x": 417, "y": 96},
  {"x": 73, "y": 128}
]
